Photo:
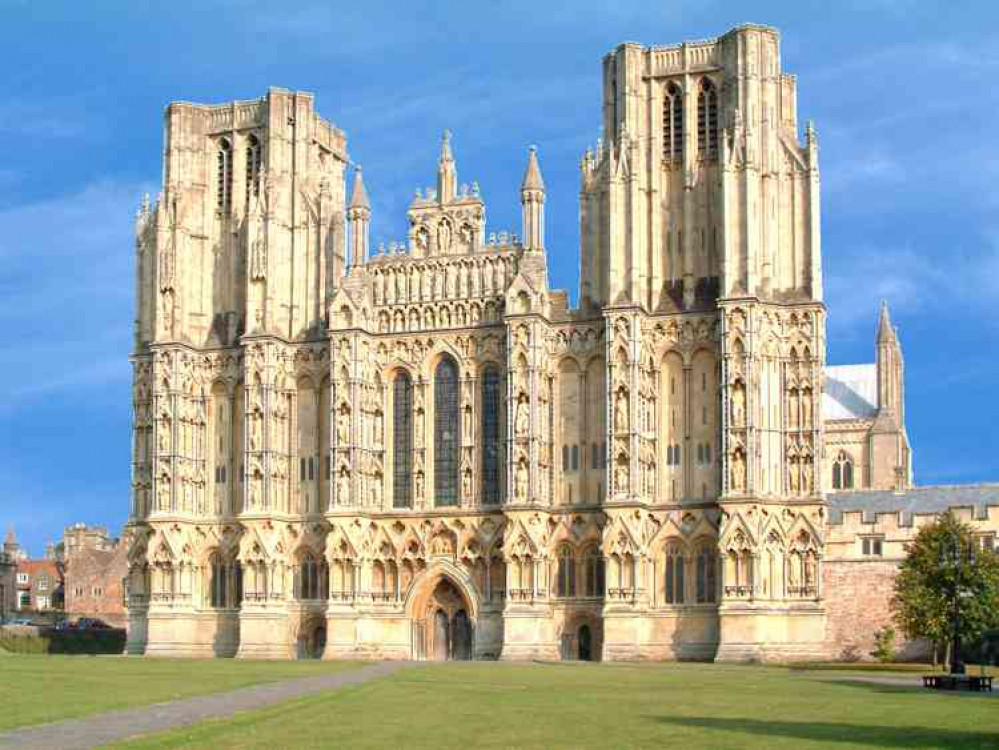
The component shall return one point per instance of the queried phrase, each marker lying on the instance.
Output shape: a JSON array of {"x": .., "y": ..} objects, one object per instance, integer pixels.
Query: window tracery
[
  {"x": 402, "y": 449},
  {"x": 447, "y": 433}
]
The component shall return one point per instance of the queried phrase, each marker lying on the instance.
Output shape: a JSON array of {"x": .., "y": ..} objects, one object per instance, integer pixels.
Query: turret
[
  {"x": 532, "y": 200},
  {"x": 359, "y": 215}
]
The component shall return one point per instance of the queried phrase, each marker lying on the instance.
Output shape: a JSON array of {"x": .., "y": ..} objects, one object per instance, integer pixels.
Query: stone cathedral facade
[{"x": 427, "y": 453}]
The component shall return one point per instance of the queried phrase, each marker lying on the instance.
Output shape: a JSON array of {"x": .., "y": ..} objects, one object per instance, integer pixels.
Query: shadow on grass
[
  {"x": 873, "y": 685},
  {"x": 848, "y": 734}
]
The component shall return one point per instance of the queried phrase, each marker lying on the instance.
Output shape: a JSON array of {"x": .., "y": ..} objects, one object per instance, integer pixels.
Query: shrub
[
  {"x": 30, "y": 640},
  {"x": 884, "y": 645}
]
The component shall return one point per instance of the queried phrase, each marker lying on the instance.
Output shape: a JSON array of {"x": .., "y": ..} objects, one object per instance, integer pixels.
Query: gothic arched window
[
  {"x": 253, "y": 161},
  {"x": 673, "y": 124},
  {"x": 566, "y": 581},
  {"x": 593, "y": 572},
  {"x": 491, "y": 447},
  {"x": 674, "y": 574},
  {"x": 842, "y": 472},
  {"x": 447, "y": 433},
  {"x": 223, "y": 163},
  {"x": 707, "y": 120},
  {"x": 402, "y": 441}
]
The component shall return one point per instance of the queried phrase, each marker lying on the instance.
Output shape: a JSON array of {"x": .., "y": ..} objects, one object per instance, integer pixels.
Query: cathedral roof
[
  {"x": 925, "y": 500},
  {"x": 850, "y": 392}
]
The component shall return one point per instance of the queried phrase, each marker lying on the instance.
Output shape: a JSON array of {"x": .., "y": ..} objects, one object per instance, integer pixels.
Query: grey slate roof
[{"x": 914, "y": 500}]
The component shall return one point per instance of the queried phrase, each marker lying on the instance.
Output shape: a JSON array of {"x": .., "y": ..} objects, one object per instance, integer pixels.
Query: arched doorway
[
  {"x": 444, "y": 632},
  {"x": 585, "y": 639}
]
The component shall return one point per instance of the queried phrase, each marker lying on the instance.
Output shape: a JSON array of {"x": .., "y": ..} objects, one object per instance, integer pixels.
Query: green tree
[{"x": 943, "y": 560}]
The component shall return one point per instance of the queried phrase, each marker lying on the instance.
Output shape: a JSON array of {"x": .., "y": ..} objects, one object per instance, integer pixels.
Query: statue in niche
[
  {"x": 621, "y": 411},
  {"x": 792, "y": 476},
  {"x": 621, "y": 476},
  {"x": 343, "y": 487},
  {"x": 163, "y": 493},
  {"x": 806, "y": 409},
  {"x": 738, "y": 471},
  {"x": 521, "y": 481},
  {"x": 418, "y": 485},
  {"x": 466, "y": 234},
  {"x": 523, "y": 420},
  {"x": 444, "y": 237},
  {"x": 792, "y": 409},
  {"x": 378, "y": 429},
  {"x": 258, "y": 257},
  {"x": 466, "y": 484},
  {"x": 809, "y": 561},
  {"x": 467, "y": 425},
  {"x": 806, "y": 476},
  {"x": 793, "y": 578},
  {"x": 343, "y": 427},
  {"x": 400, "y": 287},
  {"x": 255, "y": 431},
  {"x": 739, "y": 404},
  {"x": 164, "y": 435}
]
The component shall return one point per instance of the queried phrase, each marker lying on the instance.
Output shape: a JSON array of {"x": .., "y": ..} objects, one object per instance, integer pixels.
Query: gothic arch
[{"x": 423, "y": 587}]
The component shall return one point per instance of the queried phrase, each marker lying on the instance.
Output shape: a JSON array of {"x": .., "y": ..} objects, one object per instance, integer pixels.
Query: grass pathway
[{"x": 116, "y": 726}]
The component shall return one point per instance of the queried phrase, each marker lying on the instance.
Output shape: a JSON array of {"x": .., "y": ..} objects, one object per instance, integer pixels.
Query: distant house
[{"x": 39, "y": 585}]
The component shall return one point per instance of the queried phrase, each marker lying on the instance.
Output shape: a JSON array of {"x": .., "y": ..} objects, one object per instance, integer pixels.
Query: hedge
[{"x": 32, "y": 640}]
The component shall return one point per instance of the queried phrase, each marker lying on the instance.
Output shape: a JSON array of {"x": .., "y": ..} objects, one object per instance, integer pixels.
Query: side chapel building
[{"x": 427, "y": 453}]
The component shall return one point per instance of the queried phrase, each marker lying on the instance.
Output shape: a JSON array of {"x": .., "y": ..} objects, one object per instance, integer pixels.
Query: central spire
[{"x": 447, "y": 175}]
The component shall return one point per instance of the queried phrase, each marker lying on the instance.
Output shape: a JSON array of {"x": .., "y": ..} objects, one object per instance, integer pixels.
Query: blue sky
[{"x": 903, "y": 95}]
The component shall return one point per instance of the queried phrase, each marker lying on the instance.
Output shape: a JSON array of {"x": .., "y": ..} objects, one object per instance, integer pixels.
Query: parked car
[{"x": 91, "y": 623}]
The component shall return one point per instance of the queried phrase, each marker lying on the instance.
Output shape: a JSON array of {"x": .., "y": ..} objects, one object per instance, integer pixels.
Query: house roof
[
  {"x": 850, "y": 392},
  {"x": 916, "y": 500}
]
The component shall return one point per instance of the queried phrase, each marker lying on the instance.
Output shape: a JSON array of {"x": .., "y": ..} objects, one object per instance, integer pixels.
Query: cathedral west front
[{"x": 426, "y": 452}]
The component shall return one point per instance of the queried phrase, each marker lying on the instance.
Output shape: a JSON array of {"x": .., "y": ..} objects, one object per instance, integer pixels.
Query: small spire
[
  {"x": 532, "y": 175},
  {"x": 886, "y": 331},
  {"x": 446, "y": 155},
  {"x": 447, "y": 174},
  {"x": 359, "y": 196}
]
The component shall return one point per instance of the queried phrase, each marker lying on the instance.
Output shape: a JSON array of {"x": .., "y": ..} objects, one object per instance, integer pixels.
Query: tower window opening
[
  {"x": 707, "y": 120},
  {"x": 253, "y": 161},
  {"x": 224, "y": 175},
  {"x": 673, "y": 124}
]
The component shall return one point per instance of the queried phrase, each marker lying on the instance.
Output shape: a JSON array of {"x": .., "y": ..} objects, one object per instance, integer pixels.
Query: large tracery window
[
  {"x": 707, "y": 120},
  {"x": 223, "y": 165},
  {"x": 673, "y": 124},
  {"x": 402, "y": 448},
  {"x": 491, "y": 447},
  {"x": 447, "y": 433}
]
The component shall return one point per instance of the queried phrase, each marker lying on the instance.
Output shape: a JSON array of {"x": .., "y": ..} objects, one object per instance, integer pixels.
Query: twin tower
[{"x": 425, "y": 452}]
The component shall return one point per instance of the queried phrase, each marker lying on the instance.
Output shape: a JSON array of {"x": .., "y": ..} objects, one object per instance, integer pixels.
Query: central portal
[{"x": 446, "y": 628}]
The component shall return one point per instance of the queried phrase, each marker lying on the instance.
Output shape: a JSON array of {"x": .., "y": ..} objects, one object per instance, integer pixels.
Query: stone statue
[
  {"x": 738, "y": 471},
  {"x": 621, "y": 411},
  {"x": 343, "y": 427},
  {"x": 792, "y": 409},
  {"x": 739, "y": 404},
  {"x": 806, "y": 410},
  {"x": 523, "y": 420},
  {"x": 792, "y": 476},
  {"x": 418, "y": 491},
  {"x": 521, "y": 482},
  {"x": 466, "y": 484},
  {"x": 444, "y": 237},
  {"x": 621, "y": 477},
  {"x": 343, "y": 488},
  {"x": 806, "y": 478}
]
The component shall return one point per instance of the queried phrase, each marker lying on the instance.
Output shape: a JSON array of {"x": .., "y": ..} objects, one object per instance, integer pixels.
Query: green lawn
[
  {"x": 490, "y": 705},
  {"x": 40, "y": 689}
]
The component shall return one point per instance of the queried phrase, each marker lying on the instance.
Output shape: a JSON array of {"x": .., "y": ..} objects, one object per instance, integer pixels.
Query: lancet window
[
  {"x": 707, "y": 565},
  {"x": 673, "y": 574},
  {"x": 566, "y": 578},
  {"x": 223, "y": 162},
  {"x": 673, "y": 124},
  {"x": 491, "y": 448},
  {"x": 447, "y": 433},
  {"x": 402, "y": 448},
  {"x": 253, "y": 162},
  {"x": 707, "y": 119}
]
